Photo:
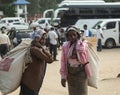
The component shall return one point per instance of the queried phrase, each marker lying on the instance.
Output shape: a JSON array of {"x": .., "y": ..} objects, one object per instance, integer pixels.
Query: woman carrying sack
[
  {"x": 33, "y": 76},
  {"x": 75, "y": 67}
]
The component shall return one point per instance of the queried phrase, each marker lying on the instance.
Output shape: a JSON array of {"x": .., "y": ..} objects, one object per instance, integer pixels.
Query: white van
[
  {"x": 4, "y": 22},
  {"x": 89, "y": 22},
  {"x": 111, "y": 32},
  {"x": 45, "y": 22}
]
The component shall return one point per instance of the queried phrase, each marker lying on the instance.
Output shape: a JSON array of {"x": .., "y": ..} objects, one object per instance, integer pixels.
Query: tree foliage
[
  {"x": 39, "y": 6},
  {"x": 35, "y": 6}
]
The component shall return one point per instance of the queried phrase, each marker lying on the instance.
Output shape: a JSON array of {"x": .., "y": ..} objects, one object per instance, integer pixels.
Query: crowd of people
[{"x": 74, "y": 68}]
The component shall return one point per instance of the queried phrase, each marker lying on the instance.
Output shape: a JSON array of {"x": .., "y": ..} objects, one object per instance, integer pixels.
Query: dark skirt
[
  {"x": 27, "y": 91},
  {"x": 77, "y": 81},
  {"x": 3, "y": 49}
]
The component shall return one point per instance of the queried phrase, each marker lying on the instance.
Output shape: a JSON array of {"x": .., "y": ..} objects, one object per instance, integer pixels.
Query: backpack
[{"x": 90, "y": 34}]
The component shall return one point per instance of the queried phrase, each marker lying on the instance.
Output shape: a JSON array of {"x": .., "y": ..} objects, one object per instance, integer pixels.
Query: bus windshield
[{"x": 89, "y": 11}]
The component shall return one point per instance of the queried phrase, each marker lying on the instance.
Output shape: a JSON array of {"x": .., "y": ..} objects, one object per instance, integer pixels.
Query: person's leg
[
  {"x": 3, "y": 49},
  {"x": 51, "y": 48},
  {"x": 99, "y": 48},
  {"x": 100, "y": 44},
  {"x": 54, "y": 52}
]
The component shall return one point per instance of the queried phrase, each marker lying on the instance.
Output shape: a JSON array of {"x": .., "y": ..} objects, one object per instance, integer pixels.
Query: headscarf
[
  {"x": 40, "y": 33},
  {"x": 72, "y": 28}
]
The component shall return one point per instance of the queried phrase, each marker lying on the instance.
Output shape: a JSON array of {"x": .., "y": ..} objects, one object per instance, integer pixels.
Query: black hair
[
  {"x": 34, "y": 28},
  {"x": 2, "y": 30},
  {"x": 52, "y": 28},
  {"x": 85, "y": 25},
  {"x": 98, "y": 26}
]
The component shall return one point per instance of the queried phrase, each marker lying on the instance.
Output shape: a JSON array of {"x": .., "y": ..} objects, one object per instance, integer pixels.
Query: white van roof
[{"x": 12, "y": 18}]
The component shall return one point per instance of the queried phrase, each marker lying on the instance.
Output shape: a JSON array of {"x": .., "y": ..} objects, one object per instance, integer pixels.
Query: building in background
[{"x": 21, "y": 8}]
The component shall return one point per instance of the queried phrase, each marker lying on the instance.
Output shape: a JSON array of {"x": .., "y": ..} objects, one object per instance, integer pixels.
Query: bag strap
[{"x": 78, "y": 57}]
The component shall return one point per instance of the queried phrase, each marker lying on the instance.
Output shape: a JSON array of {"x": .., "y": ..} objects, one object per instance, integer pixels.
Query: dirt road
[{"x": 109, "y": 67}]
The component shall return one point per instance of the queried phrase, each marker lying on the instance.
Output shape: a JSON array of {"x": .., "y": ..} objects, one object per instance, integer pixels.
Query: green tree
[
  {"x": 39, "y": 6},
  {"x": 35, "y": 6},
  {"x": 8, "y": 10}
]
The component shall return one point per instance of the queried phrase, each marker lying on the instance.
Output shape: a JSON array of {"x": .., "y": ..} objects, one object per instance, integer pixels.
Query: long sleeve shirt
[
  {"x": 4, "y": 39},
  {"x": 81, "y": 48}
]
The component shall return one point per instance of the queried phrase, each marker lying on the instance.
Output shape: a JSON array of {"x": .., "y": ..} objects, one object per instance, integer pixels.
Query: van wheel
[
  {"x": 3, "y": 28},
  {"x": 110, "y": 43}
]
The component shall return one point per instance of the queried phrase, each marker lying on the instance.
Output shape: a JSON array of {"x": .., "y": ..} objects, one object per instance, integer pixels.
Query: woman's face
[
  {"x": 43, "y": 39},
  {"x": 72, "y": 36}
]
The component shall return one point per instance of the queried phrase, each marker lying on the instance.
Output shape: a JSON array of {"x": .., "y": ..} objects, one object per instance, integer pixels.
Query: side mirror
[{"x": 103, "y": 28}]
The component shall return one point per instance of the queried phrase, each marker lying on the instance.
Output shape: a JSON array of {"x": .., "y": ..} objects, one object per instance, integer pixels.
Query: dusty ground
[{"x": 109, "y": 68}]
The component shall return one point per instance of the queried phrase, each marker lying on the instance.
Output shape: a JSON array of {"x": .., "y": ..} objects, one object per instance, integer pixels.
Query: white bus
[
  {"x": 90, "y": 12},
  {"x": 83, "y": 10}
]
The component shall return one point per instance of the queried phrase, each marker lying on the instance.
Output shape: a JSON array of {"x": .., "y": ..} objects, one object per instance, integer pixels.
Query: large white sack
[
  {"x": 10, "y": 80},
  {"x": 93, "y": 80},
  {"x": 94, "y": 63}
]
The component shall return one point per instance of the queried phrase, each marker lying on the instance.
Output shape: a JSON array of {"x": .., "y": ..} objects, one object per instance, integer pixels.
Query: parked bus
[{"x": 88, "y": 11}]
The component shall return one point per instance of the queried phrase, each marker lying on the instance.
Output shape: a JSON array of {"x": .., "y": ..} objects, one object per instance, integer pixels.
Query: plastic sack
[
  {"x": 10, "y": 78},
  {"x": 93, "y": 61}
]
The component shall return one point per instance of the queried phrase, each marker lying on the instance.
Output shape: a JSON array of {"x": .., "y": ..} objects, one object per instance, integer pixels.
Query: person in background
[
  {"x": 75, "y": 69},
  {"x": 32, "y": 35},
  {"x": 62, "y": 36},
  {"x": 86, "y": 33},
  {"x": 12, "y": 35},
  {"x": 99, "y": 37},
  {"x": 53, "y": 41},
  {"x": 4, "y": 43},
  {"x": 33, "y": 76},
  {"x": 58, "y": 39}
]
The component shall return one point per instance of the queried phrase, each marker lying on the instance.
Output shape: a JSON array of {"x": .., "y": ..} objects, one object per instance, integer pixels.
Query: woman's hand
[
  {"x": 49, "y": 58},
  {"x": 63, "y": 82},
  {"x": 40, "y": 54}
]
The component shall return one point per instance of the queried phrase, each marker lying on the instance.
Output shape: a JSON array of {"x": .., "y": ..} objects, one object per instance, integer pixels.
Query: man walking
[
  {"x": 99, "y": 37},
  {"x": 53, "y": 37},
  {"x": 4, "y": 43}
]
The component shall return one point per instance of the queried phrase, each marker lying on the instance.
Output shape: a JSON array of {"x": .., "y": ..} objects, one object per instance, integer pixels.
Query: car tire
[
  {"x": 3, "y": 28},
  {"x": 110, "y": 43}
]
